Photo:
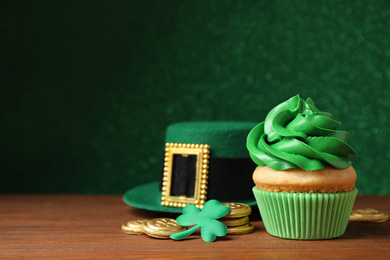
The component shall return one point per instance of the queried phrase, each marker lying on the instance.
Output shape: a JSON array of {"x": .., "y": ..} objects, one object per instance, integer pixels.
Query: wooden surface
[{"x": 89, "y": 227}]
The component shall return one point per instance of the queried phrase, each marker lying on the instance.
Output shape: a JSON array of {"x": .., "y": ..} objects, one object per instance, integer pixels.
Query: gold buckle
[{"x": 202, "y": 152}]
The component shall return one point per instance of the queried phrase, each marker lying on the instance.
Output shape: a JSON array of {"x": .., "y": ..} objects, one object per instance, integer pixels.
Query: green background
[{"x": 89, "y": 87}]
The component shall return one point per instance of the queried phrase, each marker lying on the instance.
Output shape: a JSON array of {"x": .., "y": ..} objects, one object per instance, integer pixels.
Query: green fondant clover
[{"x": 206, "y": 219}]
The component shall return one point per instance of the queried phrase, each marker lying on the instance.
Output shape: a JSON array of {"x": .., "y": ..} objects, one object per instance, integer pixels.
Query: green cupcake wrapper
[{"x": 305, "y": 216}]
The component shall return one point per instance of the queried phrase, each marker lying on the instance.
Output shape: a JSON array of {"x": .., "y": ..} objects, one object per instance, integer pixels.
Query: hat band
[{"x": 228, "y": 179}]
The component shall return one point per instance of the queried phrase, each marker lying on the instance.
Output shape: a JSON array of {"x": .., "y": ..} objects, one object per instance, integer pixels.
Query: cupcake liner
[{"x": 305, "y": 216}]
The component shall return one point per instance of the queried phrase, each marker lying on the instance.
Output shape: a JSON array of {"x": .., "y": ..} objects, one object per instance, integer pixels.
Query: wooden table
[{"x": 89, "y": 227}]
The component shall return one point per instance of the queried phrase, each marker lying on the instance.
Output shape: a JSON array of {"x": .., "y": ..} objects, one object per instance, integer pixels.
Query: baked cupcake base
[
  {"x": 305, "y": 216},
  {"x": 327, "y": 180}
]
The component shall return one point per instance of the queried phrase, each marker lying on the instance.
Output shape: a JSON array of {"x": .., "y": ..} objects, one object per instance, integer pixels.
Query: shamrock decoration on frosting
[{"x": 206, "y": 219}]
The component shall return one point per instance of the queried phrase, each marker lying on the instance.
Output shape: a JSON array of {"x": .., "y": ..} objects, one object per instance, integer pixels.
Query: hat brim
[{"x": 148, "y": 197}]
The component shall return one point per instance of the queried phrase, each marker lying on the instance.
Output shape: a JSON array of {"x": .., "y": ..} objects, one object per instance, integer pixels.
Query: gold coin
[
  {"x": 233, "y": 222},
  {"x": 368, "y": 215},
  {"x": 162, "y": 227},
  {"x": 134, "y": 227},
  {"x": 240, "y": 230},
  {"x": 367, "y": 212},
  {"x": 237, "y": 210}
]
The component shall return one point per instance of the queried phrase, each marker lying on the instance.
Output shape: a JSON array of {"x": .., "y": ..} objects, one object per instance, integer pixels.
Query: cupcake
[{"x": 305, "y": 183}]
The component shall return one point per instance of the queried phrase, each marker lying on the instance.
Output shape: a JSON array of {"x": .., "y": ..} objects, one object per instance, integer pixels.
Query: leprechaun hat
[{"x": 202, "y": 161}]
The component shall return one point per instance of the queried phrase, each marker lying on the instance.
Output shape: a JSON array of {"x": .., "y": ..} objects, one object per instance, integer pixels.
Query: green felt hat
[{"x": 203, "y": 161}]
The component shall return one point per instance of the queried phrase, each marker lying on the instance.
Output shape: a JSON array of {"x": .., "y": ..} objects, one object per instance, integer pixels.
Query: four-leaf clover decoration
[{"x": 206, "y": 219}]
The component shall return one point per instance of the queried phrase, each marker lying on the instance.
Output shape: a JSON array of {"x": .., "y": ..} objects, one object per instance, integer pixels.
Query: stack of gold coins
[
  {"x": 158, "y": 227},
  {"x": 368, "y": 215},
  {"x": 237, "y": 221}
]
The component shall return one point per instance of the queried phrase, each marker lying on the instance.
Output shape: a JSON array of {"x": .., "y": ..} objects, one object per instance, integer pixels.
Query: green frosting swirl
[{"x": 296, "y": 134}]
